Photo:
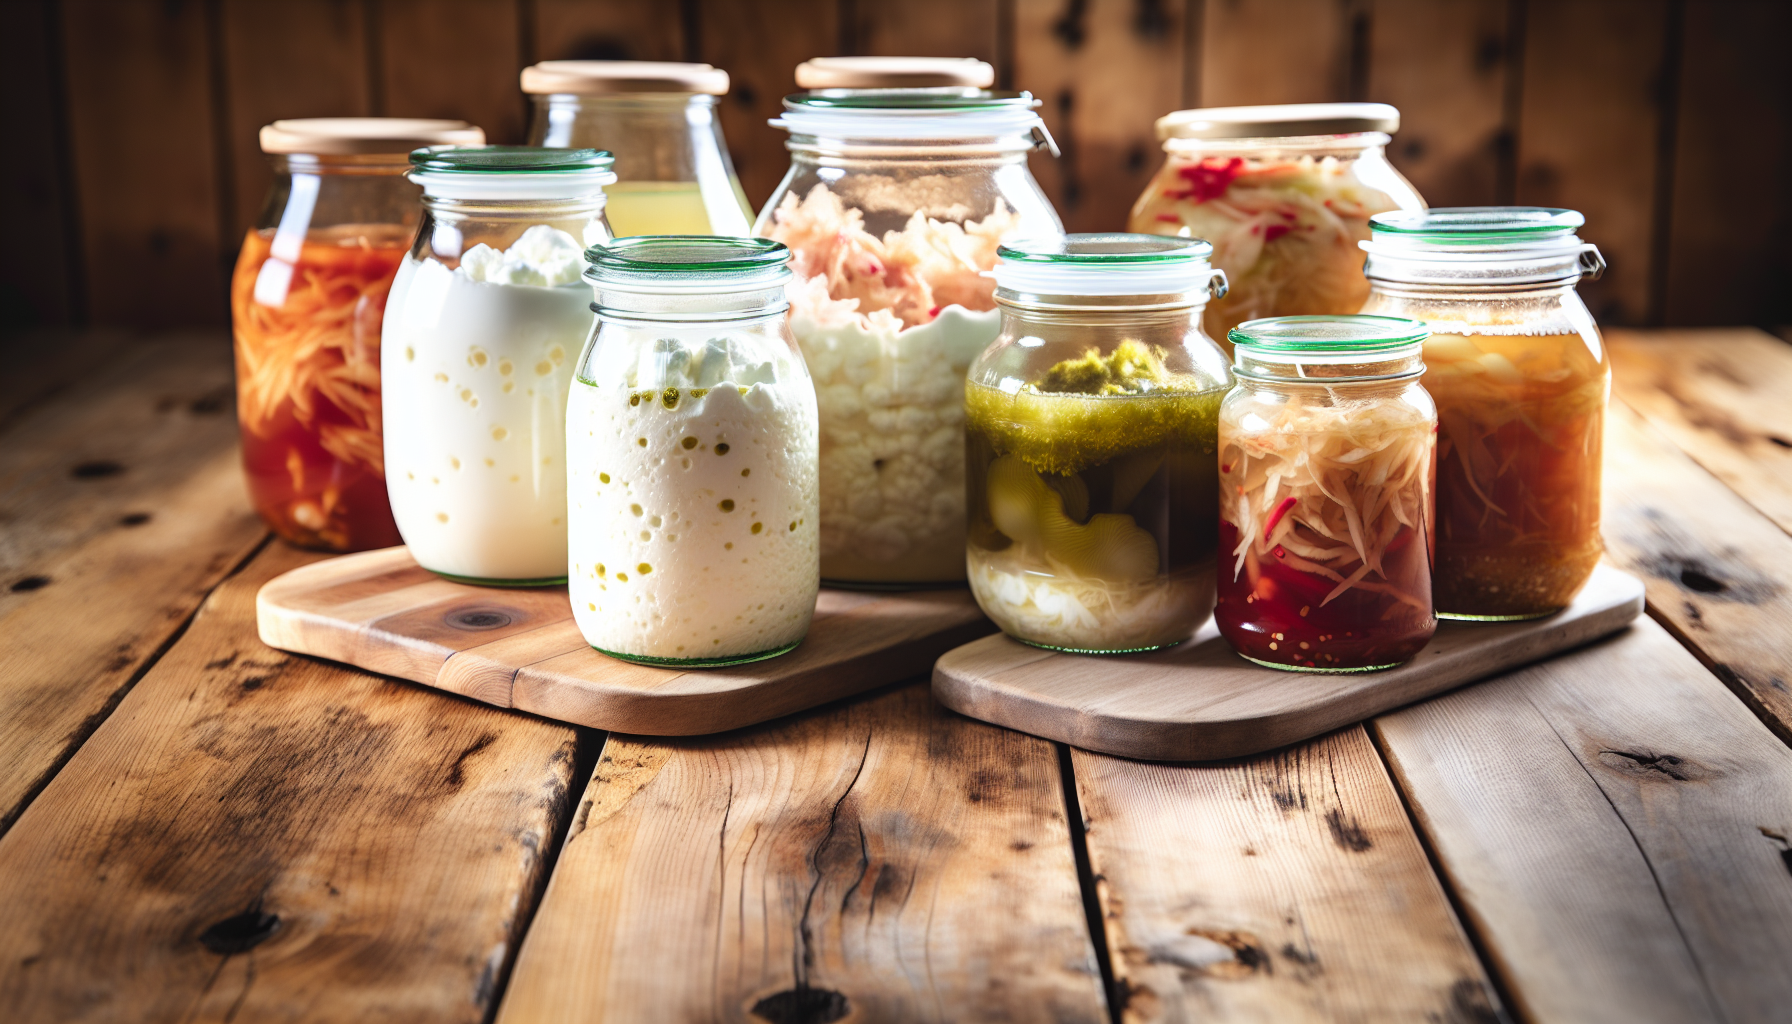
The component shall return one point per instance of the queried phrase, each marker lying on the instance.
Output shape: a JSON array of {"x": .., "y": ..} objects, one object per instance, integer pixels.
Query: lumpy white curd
[
  {"x": 475, "y": 367},
  {"x": 694, "y": 504}
]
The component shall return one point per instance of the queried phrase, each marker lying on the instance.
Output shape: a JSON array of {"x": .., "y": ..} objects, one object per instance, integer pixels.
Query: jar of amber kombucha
[
  {"x": 1326, "y": 466},
  {"x": 306, "y": 302},
  {"x": 1521, "y": 382}
]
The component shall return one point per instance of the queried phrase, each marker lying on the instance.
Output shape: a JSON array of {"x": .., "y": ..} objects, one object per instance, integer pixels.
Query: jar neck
[
  {"x": 644, "y": 307},
  {"x": 444, "y": 209},
  {"x": 1176, "y": 310},
  {"x": 351, "y": 165},
  {"x": 1276, "y": 370},
  {"x": 1341, "y": 147},
  {"x": 993, "y": 151}
]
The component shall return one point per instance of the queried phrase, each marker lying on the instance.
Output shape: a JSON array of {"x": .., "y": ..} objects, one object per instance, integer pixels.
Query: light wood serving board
[
  {"x": 519, "y": 648},
  {"x": 1199, "y": 702}
]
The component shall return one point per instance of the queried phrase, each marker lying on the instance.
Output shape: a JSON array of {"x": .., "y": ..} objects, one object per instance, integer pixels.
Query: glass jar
[
  {"x": 1327, "y": 456},
  {"x": 1521, "y": 384},
  {"x": 692, "y": 437},
  {"x": 893, "y": 208},
  {"x": 485, "y": 323},
  {"x": 305, "y": 305},
  {"x": 1284, "y": 193},
  {"x": 1090, "y": 444},
  {"x": 673, "y": 172}
]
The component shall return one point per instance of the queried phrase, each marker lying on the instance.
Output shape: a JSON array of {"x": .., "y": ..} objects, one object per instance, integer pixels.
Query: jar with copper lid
[
  {"x": 306, "y": 303},
  {"x": 1284, "y": 193},
  {"x": 659, "y": 118}
]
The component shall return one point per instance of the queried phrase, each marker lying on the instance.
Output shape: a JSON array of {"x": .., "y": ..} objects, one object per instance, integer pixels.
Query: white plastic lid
[
  {"x": 893, "y": 73},
  {"x": 603, "y": 77},
  {"x": 912, "y": 114},
  {"x": 1115, "y": 263},
  {"x": 1278, "y": 121}
]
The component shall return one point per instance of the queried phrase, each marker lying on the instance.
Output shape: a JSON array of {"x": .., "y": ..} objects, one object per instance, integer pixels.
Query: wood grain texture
[
  {"x": 258, "y": 837},
  {"x": 1445, "y": 66},
  {"x": 455, "y": 59},
  {"x": 1716, "y": 569},
  {"x": 1721, "y": 396},
  {"x": 926, "y": 28},
  {"x": 146, "y": 183},
  {"x": 40, "y": 283},
  {"x": 1733, "y": 140},
  {"x": 1614, "y": 824},
  {"x": 291, "y": 58},
  {"x": 880, "y": 861},
  {"x": 1275, "y": 51},
  {"x": 612, "y": 30},
  {"x": 760, "y": 48},
  {"x": 123, "y": 506},
  {"x": 1288, "y": 887},
  {"x": 1200, "y": 702},
  {"x": 1589, "y": 122},
  {"x": 1064, "y": 54},
  {"x": 520, "y": 648}
]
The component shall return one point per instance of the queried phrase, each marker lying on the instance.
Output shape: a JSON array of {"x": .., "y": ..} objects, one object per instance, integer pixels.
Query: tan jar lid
[
  {"x": 344, "y": 136},
  {"x": 894, "y": 73},
  {"x": 602, "y": 77},
  {"x": 1280, "y": 121}
]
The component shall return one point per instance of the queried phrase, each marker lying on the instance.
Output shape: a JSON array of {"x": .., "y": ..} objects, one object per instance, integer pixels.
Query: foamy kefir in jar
[
  {"x": 484, "y": 323},
  {"x": 691, "y": 440}
]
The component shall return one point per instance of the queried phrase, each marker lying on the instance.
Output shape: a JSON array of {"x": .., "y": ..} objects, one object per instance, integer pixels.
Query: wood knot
[
  {"x": 478, "y": 618},
  {"x": 240, "y": 932},
  {"x": 1216, "y": 954},
  {"x": 96, "y": 470},
  {"x": 1645, "y": 765},
  {"x": 803, "y": 1005}
]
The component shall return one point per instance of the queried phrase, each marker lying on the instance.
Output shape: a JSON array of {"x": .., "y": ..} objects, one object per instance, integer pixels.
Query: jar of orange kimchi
[
  {"x": 893, "y": 208},
  {"x": 1284, "y": 193},
  {"x": 1521, "y": 382},
  {"x": 306, "y": 303},
  {"x": 1327, "y": 455}
]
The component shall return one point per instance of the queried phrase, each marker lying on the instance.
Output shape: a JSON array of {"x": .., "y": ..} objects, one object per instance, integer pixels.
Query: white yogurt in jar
[
  {"x": 694, "y": 505},
  {"x": 475, "y": 366}
]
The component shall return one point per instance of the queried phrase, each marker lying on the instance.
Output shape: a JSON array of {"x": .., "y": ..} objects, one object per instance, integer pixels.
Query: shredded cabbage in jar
[{"x": 1284, "y": 230}]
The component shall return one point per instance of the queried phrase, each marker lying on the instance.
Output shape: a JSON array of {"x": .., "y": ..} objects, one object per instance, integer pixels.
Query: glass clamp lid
[
  {"x": 1114, "y": 263},
  {"x": 688, "y": 263},
  {"x": 1482, "y": 234},
  {"x": 511, "y": 172},
  {"x": 915, "y": 114},
  {"x": 1278, "y": 121},
  {"x": 1294, "y": 340}
]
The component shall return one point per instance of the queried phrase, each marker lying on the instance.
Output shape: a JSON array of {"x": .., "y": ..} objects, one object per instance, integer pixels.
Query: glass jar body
[
  {"x": 307, "y": 298},
  {"x": 1090, "y": 515},
  {"x": 1284, "y": 217},
  {"x": 485, "y": 323},
  {"x": 1521, "y": 383},
  {"x": 674, "y": 175},
  {"x": 1326, "y": 522},
  {"x": 693, "y": 491},
  {"x": 889, "y": 306}
]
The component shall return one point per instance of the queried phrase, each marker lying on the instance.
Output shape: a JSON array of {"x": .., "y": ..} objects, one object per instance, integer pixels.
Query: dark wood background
[{"x": 133, "y": 168}]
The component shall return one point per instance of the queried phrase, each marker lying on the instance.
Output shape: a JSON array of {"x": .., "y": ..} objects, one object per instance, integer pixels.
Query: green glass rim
[
  {"x": 509, "y": 159},
  {"x": 1476, "y": 225},
  {"x": 1328, "y": 335},
  {"x": 918, "y": 100},
  {"x": 686, "y": 254},
  {"x": 1105, "y": 249}
]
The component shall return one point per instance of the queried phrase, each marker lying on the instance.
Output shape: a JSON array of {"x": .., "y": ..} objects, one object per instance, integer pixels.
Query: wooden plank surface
[
  {"x": 1106, "y": 135},
  {"x": 1288, "y": 887},
  {"x": 40, "y": 283},
  {"x": 1721, "y": 396},
  {"x": 1274, "y": 51},
  {"x": 258, "y": 837},
  {"x": 883, "y": 860},
  {"x": 1199, "y": 701},
  {"x": 123, "y": 506},
  {"x": 452, "y": 58},
  {"x": 1614, "y": 825},
  {"x": 612, "y": 30},
  {"x": 926, "y": 28}
]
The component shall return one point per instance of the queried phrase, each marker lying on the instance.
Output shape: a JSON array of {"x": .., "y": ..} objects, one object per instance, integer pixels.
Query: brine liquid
[
  {"x": 662, "y": 208},
  {"x": 1520, "y": 425},
  {"x": 308, "y": 383},
  {"x": 1092, "y": 519}
]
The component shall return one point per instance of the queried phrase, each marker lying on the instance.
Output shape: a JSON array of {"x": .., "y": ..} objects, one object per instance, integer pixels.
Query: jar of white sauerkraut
[
  {"x": 893, "y": 208},
  {"x": 691, "y": 439},
  {"x": 484, "y": 322},
  {"x": 1091, "y": 464},
  {"x": 1284, "y": 193}
]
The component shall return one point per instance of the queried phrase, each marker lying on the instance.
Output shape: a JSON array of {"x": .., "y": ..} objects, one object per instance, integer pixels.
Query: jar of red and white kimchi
[
  {"x": 306, "y": 304},
  {"x": 893, "y": 208},
  {"x": 1520, "y": 377},
  {"x": 1327, "y": 457},
  {"x": 1284, "y": 193}
]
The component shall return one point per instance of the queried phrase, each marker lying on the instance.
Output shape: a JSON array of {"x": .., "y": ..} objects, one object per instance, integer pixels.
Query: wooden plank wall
[{"x": 1666, "y": 121}]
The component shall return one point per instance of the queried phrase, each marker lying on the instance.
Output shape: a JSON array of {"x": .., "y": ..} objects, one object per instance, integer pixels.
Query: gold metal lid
[
  {"x": 604, "y": 77},
  {"x": 345, "y": 136},
  {"x": 894, "y": 73},
  {"x": 1279, "y": 121}
]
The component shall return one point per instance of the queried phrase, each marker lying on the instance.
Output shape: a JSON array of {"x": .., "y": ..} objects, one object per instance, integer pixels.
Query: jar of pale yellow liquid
[{"x": 673, "y": 173}]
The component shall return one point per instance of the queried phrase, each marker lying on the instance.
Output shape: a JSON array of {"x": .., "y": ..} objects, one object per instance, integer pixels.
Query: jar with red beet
[{"x": 1327, "y": 466}]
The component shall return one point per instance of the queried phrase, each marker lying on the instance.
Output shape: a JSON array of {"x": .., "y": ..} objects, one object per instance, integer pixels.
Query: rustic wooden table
[{"x": 199, "y": 828}]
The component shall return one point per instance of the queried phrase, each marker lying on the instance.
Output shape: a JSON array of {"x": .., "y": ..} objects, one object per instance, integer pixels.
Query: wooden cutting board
[
  {"x": 519, "y": 648},
  {"x": 1199, "y": 701}
]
